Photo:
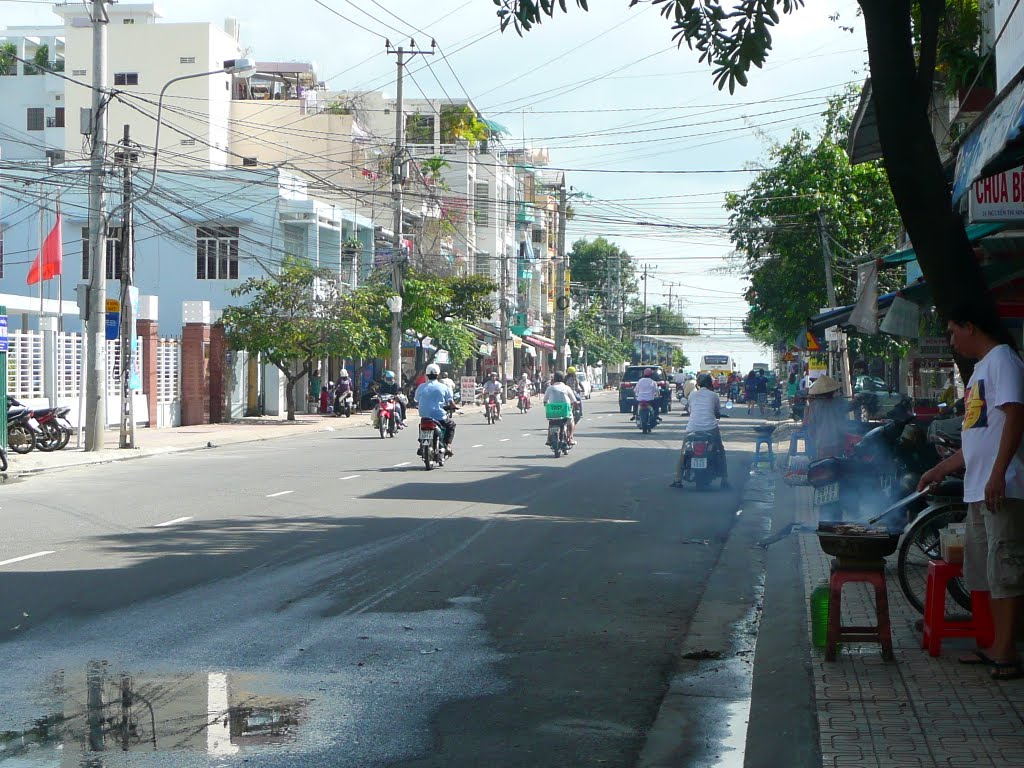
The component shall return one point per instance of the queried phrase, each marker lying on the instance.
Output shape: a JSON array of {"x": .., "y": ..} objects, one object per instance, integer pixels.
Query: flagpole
[
  {"x": 42, "y": 207},
  {"x": 60, "y": 275}
]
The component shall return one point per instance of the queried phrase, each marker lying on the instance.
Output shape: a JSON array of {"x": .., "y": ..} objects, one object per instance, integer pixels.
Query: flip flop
[
  {"x": 976, "y": 658},
  {"x": 1007, "y": 670}
]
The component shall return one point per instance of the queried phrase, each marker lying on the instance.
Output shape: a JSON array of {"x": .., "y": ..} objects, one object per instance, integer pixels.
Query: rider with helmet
[
  {"x": 646, "y": 391},
  {"x": 573, "y": 383},
  {"x": 435, "y": 402},
  {"x": 705, "y": 410},
  {"x": 493, "y": 387},
  {"x": 390, "y": 387},
  {"x": 559, "y": 392},
  {"x": 342, "y": 388}
]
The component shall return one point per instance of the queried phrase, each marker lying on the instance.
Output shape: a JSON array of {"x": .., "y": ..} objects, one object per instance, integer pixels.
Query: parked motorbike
[
  {"x": 387, "y": 416},
  {"x": 431, "y": 440},
  {"x": 22, "y": 429},
  {"x": 703, "y": 461},
  {"x": 491, "y": 409},
  {"x": 647, "y": 415},
  {"x": 54, "y": 428}
]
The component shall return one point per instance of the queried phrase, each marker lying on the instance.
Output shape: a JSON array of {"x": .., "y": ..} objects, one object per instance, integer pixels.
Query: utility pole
[
  {"x": 399, "y": 173},
  {"x": 96, "y": 358},
  {"x": 127, "y": 335},
  {"x": 842, "y": 352},
  {"x": 502, "y": 326},
  {"x": 560, "y": 299}
]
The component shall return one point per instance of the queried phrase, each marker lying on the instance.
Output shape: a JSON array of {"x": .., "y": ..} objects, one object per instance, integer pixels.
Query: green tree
[
  {"x": 8, "y": 58},
  {"x": 775, "y": 228},
  {"x": 587, "y": 333},
  {"x": 597, "y": 266},
  {"x": 903, "y": 38},
  {"x": 301, "y": 316}
]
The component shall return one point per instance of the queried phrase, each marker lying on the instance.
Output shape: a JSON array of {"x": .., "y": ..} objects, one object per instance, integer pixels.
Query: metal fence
[{"x": 168, "y": 370}]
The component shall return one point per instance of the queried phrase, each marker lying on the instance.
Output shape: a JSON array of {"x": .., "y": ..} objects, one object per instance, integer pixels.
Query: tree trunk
[
  {"x": 289, "y": 397},
  {"x": 914, "y": 166}
]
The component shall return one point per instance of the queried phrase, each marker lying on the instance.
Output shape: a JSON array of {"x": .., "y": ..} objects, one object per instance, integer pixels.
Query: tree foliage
[
  {"x": 587, "y": 333},
  {"x": 597, "y": 266},
  {"x": 775, "y": 228},
  {"x": 299, "y": 317}
]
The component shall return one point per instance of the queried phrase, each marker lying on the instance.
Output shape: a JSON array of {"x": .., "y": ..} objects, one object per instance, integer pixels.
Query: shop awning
[
  {"x": 862, "y": 144},
  {"x": 541, "y": 342},
  {"x": 481, "y": 333},
  {"x": 975, "y": 232},
  {"x": 994, "y": 142}
]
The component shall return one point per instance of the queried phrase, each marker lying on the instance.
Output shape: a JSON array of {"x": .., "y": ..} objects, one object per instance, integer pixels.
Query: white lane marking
[
  {"x": 279, "y": 493},
  {"x": 527, "y": 434},
  {"x": 172, "y": 522},
  {"x": 28, "y": 557},
  {"x": 403, "y": 464},
  {"x": 349, "y": 477},
  {"x": 503, "y": 440},
  {"x": 479, "y": 445}
]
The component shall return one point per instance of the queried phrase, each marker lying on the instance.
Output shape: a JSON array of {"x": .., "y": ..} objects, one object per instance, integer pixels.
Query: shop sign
[
  {"x": 933, "y": 347},
  {"x": 999, "y": 197}
]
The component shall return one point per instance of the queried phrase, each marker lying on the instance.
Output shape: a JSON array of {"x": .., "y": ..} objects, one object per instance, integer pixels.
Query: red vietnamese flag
[{"x": 50, "y": 258}]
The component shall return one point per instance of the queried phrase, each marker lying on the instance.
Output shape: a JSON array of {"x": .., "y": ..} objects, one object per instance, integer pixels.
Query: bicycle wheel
[{"x": 919, "y": 545}]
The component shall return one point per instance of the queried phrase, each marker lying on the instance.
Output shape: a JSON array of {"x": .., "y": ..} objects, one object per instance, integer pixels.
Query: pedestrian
[
  {"x": 325, "y": 397},
  {"x": 993, "y": 463},
  {"x": 826, "y": 419}
]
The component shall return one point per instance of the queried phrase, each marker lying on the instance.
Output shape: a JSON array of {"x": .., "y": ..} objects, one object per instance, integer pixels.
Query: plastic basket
[{"x": 558, "y": 410}]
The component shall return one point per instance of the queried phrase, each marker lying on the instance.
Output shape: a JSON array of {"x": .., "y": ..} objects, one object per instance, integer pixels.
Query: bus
[{"x": 717, "y": 365}]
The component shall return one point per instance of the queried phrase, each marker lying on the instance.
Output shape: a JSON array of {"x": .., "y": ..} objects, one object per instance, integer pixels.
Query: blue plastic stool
[{"x": 764, "y": 437}]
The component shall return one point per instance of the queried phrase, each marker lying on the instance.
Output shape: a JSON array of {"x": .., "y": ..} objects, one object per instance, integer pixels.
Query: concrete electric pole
[
  {"x": 561, "y": 302},
  {"x": 96, "y": 358}
]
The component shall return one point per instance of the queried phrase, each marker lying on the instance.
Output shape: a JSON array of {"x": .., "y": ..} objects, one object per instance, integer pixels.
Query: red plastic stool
[
  {"x": 936, "y": 627},
  {"x": 872, "y": 572}
]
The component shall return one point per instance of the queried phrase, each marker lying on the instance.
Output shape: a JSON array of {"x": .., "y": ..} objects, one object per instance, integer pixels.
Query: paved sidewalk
[
  {"x": 152, "y": 442},
  {"x": 915, "y": 712}
]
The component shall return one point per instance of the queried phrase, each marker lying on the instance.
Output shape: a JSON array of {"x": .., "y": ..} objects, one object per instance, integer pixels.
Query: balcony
[{"x": 526, "y": 214}]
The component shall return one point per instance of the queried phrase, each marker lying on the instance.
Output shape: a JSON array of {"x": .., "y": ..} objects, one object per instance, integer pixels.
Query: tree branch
[{"x": 931, "y": 17}]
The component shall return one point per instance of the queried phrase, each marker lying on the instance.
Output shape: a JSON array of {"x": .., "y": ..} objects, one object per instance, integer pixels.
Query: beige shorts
[{"x": 994, "y": 549}]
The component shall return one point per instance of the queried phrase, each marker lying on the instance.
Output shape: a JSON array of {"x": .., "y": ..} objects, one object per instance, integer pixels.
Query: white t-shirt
[
  {"x": 998, "y": 379},
  {"x": 702, "y": 403},
  {"x": 449, "y": 383},
  {"x": 492, "y": 387},
  {"x": 559, "y": 393},
  {"x": 647, "y": 389}
]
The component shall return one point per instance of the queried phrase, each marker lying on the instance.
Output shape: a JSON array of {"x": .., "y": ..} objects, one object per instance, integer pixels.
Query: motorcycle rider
[
  {"x": 705, "y": 411},
  {"x": 447, "y": 380},
  {"x": 524, "y": 389},
  {"x": 342, "y": 389},
  {"x": 573, "y": 383},
  {"x": 647, "y": 391},
  {"x": 390, "y": 387},
  {"x": 435, "y": 401},
  {"x": 493, "y": 387},
  {"x": 558, "y": 392}
]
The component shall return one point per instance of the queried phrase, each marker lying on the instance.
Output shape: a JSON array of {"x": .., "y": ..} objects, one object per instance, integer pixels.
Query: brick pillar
[
  {"x": 195, "y": 374},
  {"x": 150, "y": 334},
  {"x": 218, "y": 373}
]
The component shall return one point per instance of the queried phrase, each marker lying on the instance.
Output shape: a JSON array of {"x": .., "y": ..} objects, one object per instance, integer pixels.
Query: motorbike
[
  {"x": 54, "y": 428},
  {"x": 431, "y": 441},
  {"x": 646, "y": 415},
  {"x": 522, "y": 401},
  {"x": 558, "y": 415},
  {"x": 491, "y": 409},
  {"x": 22, "y": 429},
  {"x": 344, "y": 404},
  {"x": 703, "y": 461},
  {"x": 387, "y": 416}
]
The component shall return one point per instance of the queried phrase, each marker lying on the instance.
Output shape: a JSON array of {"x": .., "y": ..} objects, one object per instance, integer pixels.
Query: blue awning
[
  {"x": 975, "y": 232},
  {"x": 994, "y": 143}
]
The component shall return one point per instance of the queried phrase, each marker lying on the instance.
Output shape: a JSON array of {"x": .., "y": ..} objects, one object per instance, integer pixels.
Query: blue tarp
[{"x": 995, "y": 144}]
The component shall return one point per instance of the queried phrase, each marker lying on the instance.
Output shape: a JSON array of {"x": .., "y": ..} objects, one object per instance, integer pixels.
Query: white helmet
[
  {"x": 343, "y": 374},
  {"x": 433, "y": 370}
]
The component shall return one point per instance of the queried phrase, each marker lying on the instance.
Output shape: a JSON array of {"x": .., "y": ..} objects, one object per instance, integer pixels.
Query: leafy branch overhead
[{"x": 731, "y": 37}]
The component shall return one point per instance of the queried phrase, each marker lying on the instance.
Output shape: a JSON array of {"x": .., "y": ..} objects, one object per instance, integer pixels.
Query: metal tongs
[{"x": 901, "y": 503}]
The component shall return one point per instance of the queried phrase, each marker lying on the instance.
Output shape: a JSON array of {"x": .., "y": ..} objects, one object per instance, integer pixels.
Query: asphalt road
[{"x": 323, "y": 600}]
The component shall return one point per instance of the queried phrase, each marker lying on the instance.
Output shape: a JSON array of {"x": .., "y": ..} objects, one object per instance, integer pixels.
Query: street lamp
[
  {"x": 96, "y": 380},
  {"x": 395, "y": 307}
]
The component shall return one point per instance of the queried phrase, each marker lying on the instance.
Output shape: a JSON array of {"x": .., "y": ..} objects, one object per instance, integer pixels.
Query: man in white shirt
[
  {"x": 992, "y": 459},
  {"x": 705, "y": 410},
  {"x": 558, "y": 392},
  {"x": 493, "y": 387},
  {"x": 448, "y": 382},
  {"x": 646, "y": 391}
]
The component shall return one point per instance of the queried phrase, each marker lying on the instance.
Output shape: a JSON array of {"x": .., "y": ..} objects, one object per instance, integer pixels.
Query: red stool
[
  {"x": 872, "y": 572},
  {"x": 936, "y": 626}
]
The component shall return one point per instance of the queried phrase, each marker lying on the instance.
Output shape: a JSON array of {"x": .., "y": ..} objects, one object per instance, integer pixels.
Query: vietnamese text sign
[
  {"x": 467, "y": 387},
  {"x": 934, "y": 347},
  {"x": 999, "y": 197},
  {"x": 3, "y": 333}
]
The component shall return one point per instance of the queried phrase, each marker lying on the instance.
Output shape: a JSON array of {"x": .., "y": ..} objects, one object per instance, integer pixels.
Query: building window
[
  {"x": 113, "y": 253},
  {"x": 126, "y": 78},
  {"x": 79, "y": 72},
  {"x": 57, "y": 121},
  {"x": 217, "y": 253},
  {"x": 188, "y": 142},
  {"x": 128, "y": 21},
  {"x": 187, "y": 60},
  {"x": 249, "y": 161},
  {"x": 538, "y": 236},
  {"x": 481, "y": 209},
  {"x": 36, "y": 119}
]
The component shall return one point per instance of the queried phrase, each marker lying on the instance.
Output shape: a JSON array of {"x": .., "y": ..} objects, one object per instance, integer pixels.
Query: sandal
[
  {"x": 1007, "y": 670},
  {"x": 976, "y": 657}
]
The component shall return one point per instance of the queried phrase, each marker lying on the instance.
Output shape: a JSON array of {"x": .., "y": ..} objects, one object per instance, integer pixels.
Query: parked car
[
  {"x": 630, "y": 377},
  {"x": 875, "y": 397},
  {"x": 586, "y": 387}
]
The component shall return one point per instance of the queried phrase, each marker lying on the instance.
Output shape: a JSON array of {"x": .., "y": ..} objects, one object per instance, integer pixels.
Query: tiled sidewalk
[{"x": 915, "y": 712}]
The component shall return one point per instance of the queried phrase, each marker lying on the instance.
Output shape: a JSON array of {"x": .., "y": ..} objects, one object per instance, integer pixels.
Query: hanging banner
[
  {"x": 865, "y": 314},
  {"x": 902, "y": 319}
]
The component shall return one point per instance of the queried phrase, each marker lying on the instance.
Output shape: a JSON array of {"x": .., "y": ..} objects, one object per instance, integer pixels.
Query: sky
[{"x": 605, "y": 91}]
